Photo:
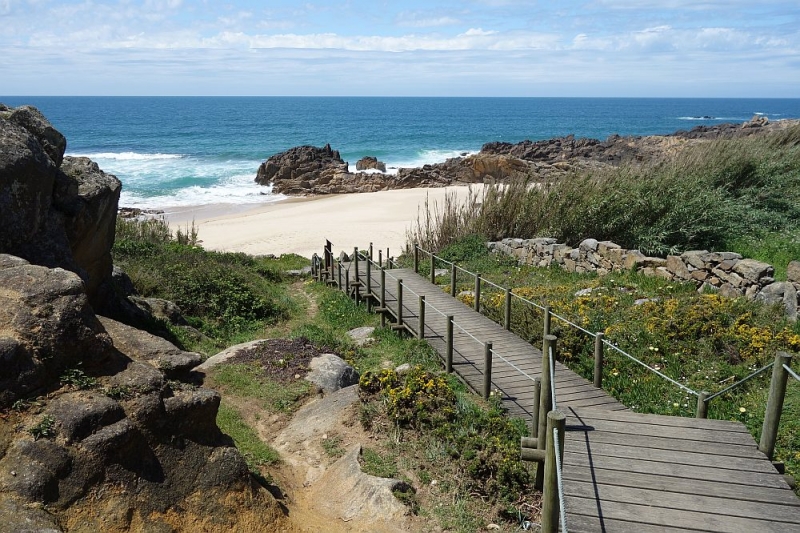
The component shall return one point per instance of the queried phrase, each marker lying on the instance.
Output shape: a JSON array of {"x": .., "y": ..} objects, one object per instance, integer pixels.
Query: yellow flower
[{"x": 742, "y": 410}]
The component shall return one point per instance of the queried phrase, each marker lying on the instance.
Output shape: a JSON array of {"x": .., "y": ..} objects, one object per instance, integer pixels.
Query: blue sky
[{"x": 688, "y": 48}]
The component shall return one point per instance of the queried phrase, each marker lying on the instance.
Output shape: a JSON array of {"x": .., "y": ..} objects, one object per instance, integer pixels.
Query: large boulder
[
  {"x": 370, "y": 163},
  {"x": 291, "y": 171},
  {"x": 47, "y": 325},
  {"x": 54, "y": 211}
]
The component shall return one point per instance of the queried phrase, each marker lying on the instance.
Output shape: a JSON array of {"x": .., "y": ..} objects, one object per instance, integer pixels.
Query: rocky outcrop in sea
[
  {"x": 309, "y": 170},
  {"x": 102, "y": 426}
]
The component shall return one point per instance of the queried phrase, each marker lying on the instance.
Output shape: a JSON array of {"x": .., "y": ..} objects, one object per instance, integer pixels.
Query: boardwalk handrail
[{"x": 703, "y": 398}]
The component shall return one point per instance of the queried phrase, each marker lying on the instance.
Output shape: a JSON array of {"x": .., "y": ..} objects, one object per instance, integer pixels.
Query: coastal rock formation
[
  {"x": 310, "y": 170},
  {"x": 54, "y": 211},
  {"x": 370, "y": 163},
  {"x": 102, "y": 429}
]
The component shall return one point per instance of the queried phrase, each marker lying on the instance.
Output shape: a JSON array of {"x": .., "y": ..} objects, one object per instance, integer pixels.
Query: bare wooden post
[
  {"x": 546, "y": 327},
  {"x": 537, "y": 392},
  {"x": 556, "y": 420},
  {"x": 453, "y": 280},
  {"x": 416, "y": 258},
  {"x": 370, "y": 250},
  {"x": 399, "y": 302},
  {"x": 388, "y": 258},
  {"x": 702, "y": 405},
  {"x": 369, "y": 279},
  {"x": 421, "y": 325},
  {"x": 339, "y": 270},
  {"x": 477, "y": 292},
  {"x": 487, "y": 370},
  {"x": 772, "y": 416},
  {"x": 380, "y": 258},
  {"x": 507, "y": 321},
  {"x": 383, "y": 297},
  {"x": 598, "y": 360},
  {"x": 355, "y": 258},
  {"x": 347, "y": 282},
  {"x": 433, "y": 269},
  {"x": 545, "y": 402},
  {"x": 449, "y": 353}
]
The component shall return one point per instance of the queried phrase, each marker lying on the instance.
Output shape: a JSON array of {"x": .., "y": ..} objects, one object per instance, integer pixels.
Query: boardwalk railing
[
  {"x": 600, "y": 341},
  {"x": 547, "y": 447}
]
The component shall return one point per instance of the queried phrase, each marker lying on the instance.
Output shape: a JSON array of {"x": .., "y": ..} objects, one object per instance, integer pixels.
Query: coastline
[{"x": 301, "y": 225}]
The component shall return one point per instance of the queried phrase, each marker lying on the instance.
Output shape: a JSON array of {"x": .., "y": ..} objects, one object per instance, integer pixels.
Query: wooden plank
[
  {"x": 683, "y": 502},
  {"x": 694, "y": 434},
  {"x": 579, "y": 460},
  {"x": 590, "y": 524},
  {"x": 633, "y": 480},
  {"x": 688, "y": 520},
  {"x": 655, "y": 445},
  {"x": 665, "y": 420}
]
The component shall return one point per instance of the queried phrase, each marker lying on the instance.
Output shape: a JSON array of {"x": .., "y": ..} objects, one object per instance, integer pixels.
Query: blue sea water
[{"x": 174, "y": 151}]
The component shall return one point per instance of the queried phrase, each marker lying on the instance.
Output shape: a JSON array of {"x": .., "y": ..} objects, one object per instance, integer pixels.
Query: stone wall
[{"x": 726, "y": 272}]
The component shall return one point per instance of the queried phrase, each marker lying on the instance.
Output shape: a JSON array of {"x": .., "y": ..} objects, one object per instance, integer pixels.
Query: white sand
[{"x": 301, "y": 225}]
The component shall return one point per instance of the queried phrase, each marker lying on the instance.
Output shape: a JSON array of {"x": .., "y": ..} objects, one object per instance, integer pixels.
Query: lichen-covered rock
[
  {"x": 47, "y": 326},
  {"x": 142, "y": 346}
]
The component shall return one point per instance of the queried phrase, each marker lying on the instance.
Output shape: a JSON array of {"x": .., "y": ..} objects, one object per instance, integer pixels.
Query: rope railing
[
  {"x": 791, "y": 372},
  {"x": 562, "y": 507},
  {"x": 660, "y": 374},
  {"x": 734, "y": 385}
]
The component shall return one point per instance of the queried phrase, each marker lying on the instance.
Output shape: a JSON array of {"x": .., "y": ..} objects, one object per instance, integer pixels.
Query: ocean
[{"x": 181, "y": 151}]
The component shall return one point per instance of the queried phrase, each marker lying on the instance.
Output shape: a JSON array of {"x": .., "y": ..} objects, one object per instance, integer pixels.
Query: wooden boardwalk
[{"x": 623, "y": 472}]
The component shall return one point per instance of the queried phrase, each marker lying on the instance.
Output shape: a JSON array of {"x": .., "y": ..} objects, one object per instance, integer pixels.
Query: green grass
[
  {"x": 247, "y": 381},
  {"x": 229, "y": 297},
  {"x": 255, "y": 451},
  {"x": 378, "y": 463}
]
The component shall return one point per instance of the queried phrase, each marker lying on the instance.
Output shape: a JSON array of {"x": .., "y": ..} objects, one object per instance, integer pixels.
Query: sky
[{"x": 613, "y": 48}]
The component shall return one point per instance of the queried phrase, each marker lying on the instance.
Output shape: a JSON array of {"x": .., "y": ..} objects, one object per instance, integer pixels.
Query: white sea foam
[
  {"x": 128, "y": 156},
  {"x": 421, "y": 158}
]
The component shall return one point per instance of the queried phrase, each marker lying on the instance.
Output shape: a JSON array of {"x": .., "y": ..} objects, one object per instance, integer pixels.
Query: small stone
[{"x": 493, "y": 527}]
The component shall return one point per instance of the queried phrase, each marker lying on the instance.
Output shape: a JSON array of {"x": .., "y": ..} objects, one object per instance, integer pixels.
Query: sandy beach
[{"x": 301, "y": 225}]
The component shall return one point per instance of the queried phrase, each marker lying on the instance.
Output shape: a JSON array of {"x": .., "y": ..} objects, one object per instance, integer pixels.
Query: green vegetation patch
[
  {"x": 255, "y": 451},
  {"x": 229, "y": 297}
]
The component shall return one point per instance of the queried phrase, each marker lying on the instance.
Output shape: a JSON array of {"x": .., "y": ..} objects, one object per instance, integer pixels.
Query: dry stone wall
[{"x": 727, "y": 272}]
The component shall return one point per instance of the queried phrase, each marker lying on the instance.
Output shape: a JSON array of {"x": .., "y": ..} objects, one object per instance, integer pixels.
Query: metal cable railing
[
  {"x": 791, "y": 372},
  {"x": 560, "y": 478},
  {"x": 733, "y": 386}
]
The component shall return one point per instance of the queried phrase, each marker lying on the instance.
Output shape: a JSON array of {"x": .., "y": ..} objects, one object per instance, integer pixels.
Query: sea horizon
[{"x": 173, "y": 151}]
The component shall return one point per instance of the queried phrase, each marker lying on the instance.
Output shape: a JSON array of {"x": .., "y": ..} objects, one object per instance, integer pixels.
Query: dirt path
[{"x": 318, "y": 478}]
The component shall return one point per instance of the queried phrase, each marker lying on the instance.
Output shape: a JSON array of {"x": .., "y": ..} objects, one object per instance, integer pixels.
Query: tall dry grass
[{"x": 705, "y": 196}]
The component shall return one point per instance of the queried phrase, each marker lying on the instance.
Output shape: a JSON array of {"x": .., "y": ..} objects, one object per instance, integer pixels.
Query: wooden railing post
[
  {"x": 453, "y": 280},
  {"x": 537, "y": 393},
  {"x": 369, "y": 284},
  {"x": 347, "y": 282},
  {"x": 487, "y": 370},
  {"x": 421, "y": 325},
  {"x": 383, "y": 297},
  {"x": 507, "y": 314},
  {"x": 399, "y": 302},
  {"x": 449, "y": 353},
  {"x": 772, "y": 416},
  {"x": 380, "y": 258},
  {"x": 556, "y": 420},
  {"x": 545, "y": 402},
  {"x": 370, "y": 251},
  {"x": 598, "y": 360},
  {"x": 702, "y": 405},
  {"x": 546, "y": 326},
  {"x": 355, "y": 258},
  {"x": 416, "y": 258},
  {"x": 478, "y": 292},
  {"x": 339, "y": 265},
  {"x": 433, "y": 269}
]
